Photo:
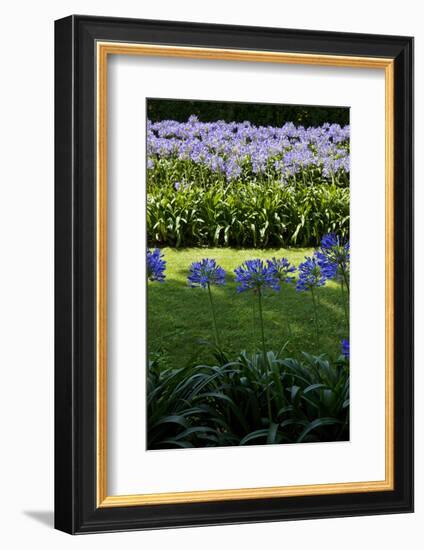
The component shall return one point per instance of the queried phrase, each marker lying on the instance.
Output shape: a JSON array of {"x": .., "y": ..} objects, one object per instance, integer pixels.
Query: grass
[{"x": 179, "y": 317}]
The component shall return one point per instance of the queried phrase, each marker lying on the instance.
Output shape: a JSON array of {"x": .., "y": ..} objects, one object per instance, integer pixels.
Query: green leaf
[
  {"x": 272, "y": 434},
  {"x": 315, "y": 424},
  {"x": 258, "y": 434}
]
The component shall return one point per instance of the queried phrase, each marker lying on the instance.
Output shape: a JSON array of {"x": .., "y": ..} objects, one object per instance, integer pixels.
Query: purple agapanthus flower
[
  {"x": 256, "y": 275},
  {"x": 310, "y": 275},
  {"x": 205, "y": 273},
  {"x": 240, "y": 149},
  {"x": 282, "y": 269},
  {"x": 155, "y": 265},
  {"x": 333, "y": 256},
  {"x": 345, "y": 348}
]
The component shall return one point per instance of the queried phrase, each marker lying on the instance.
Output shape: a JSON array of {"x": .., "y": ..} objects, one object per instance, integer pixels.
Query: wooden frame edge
[
  {"x": 101, "y": 268},
  {"x": 244, "y": 494},
  {"x": 103, "y": 49}
]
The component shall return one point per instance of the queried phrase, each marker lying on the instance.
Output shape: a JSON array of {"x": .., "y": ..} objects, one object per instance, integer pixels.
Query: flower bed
[{"x": 229, "y": 184}]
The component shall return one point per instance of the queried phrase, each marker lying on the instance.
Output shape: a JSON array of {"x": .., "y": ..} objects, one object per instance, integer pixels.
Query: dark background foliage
[{"x": 261, "y": 114}]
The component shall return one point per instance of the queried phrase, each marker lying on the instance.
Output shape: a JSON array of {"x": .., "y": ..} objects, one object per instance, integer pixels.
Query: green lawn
[{"x": 179, "y": 316}]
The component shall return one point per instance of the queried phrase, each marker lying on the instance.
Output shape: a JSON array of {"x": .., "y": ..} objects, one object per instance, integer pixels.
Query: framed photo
[{"x": 234, "y": 274}]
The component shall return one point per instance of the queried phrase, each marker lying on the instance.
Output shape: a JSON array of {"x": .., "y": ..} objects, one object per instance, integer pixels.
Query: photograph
[
  {"x": 247, "y": 273},
  {"x": 218, "y": 360}
]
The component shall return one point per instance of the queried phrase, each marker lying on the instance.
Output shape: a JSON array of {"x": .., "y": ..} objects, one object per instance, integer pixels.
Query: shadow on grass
[{"x": 179, "y": 317}]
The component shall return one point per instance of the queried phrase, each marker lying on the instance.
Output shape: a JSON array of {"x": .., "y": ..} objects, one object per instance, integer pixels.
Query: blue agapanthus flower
[
  {"x": 310, "y": 275},
  {"x": 282, "y": 269},
  {"x": 255, "y": 275},
  {"x": 345, "y": 348},
  {"x": 155, "y": 265},
  {"x": 333, "y": 256},
  {"x": 206, "y": 272}
]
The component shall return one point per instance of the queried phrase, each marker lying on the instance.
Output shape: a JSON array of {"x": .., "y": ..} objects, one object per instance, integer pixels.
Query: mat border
[
  {"x": 104, "y": 51},
  {"x": 83, "y": 45}
]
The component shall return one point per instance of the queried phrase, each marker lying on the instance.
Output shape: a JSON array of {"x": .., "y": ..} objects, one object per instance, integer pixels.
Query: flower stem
[
  {"x": 268, "y": 398},
  {"x": 345, "y": 305},
  {"x": 262, "y": 325},
  {"x": 346, "y": 280},
  {"x": 217, "y": 342},
  {"x": 253, "y": 324},
  {"x": 315, "y": 315}
]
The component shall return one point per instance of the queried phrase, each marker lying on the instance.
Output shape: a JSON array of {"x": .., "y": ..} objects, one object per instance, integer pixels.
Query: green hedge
[
  {"x": 260, "y": 114},
  {"x": 247, "y": 215}
]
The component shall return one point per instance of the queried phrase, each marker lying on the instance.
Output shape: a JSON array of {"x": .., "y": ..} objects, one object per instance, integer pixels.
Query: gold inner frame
[{"x": 104, "y": 49}]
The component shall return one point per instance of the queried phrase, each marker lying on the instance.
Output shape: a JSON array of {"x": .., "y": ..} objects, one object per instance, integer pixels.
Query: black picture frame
[{"x": 76, "y": 510}]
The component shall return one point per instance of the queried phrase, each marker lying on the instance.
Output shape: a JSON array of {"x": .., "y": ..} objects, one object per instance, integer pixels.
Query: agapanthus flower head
[
  {"x": 155, "y": 265},
  {"x": 310, "y": 275},
  {"x": 205, "y": 273},
  {"x": 345, "y": 348},
  {"x": 256, "y": 275},
  {"x": 333, "y": 256},
  {"x": 282, "y": 269},
  {"x": 329, "y": 241}
]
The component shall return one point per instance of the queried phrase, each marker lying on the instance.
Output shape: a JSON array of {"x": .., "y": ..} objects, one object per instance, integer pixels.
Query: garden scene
[{"x": 248, "y": 274}]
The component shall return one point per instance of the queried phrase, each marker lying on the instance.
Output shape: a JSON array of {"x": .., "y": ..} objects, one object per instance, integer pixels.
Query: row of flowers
[
  {"x": 241, "y": 149},
  {"x": 330, "y": 261}
]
